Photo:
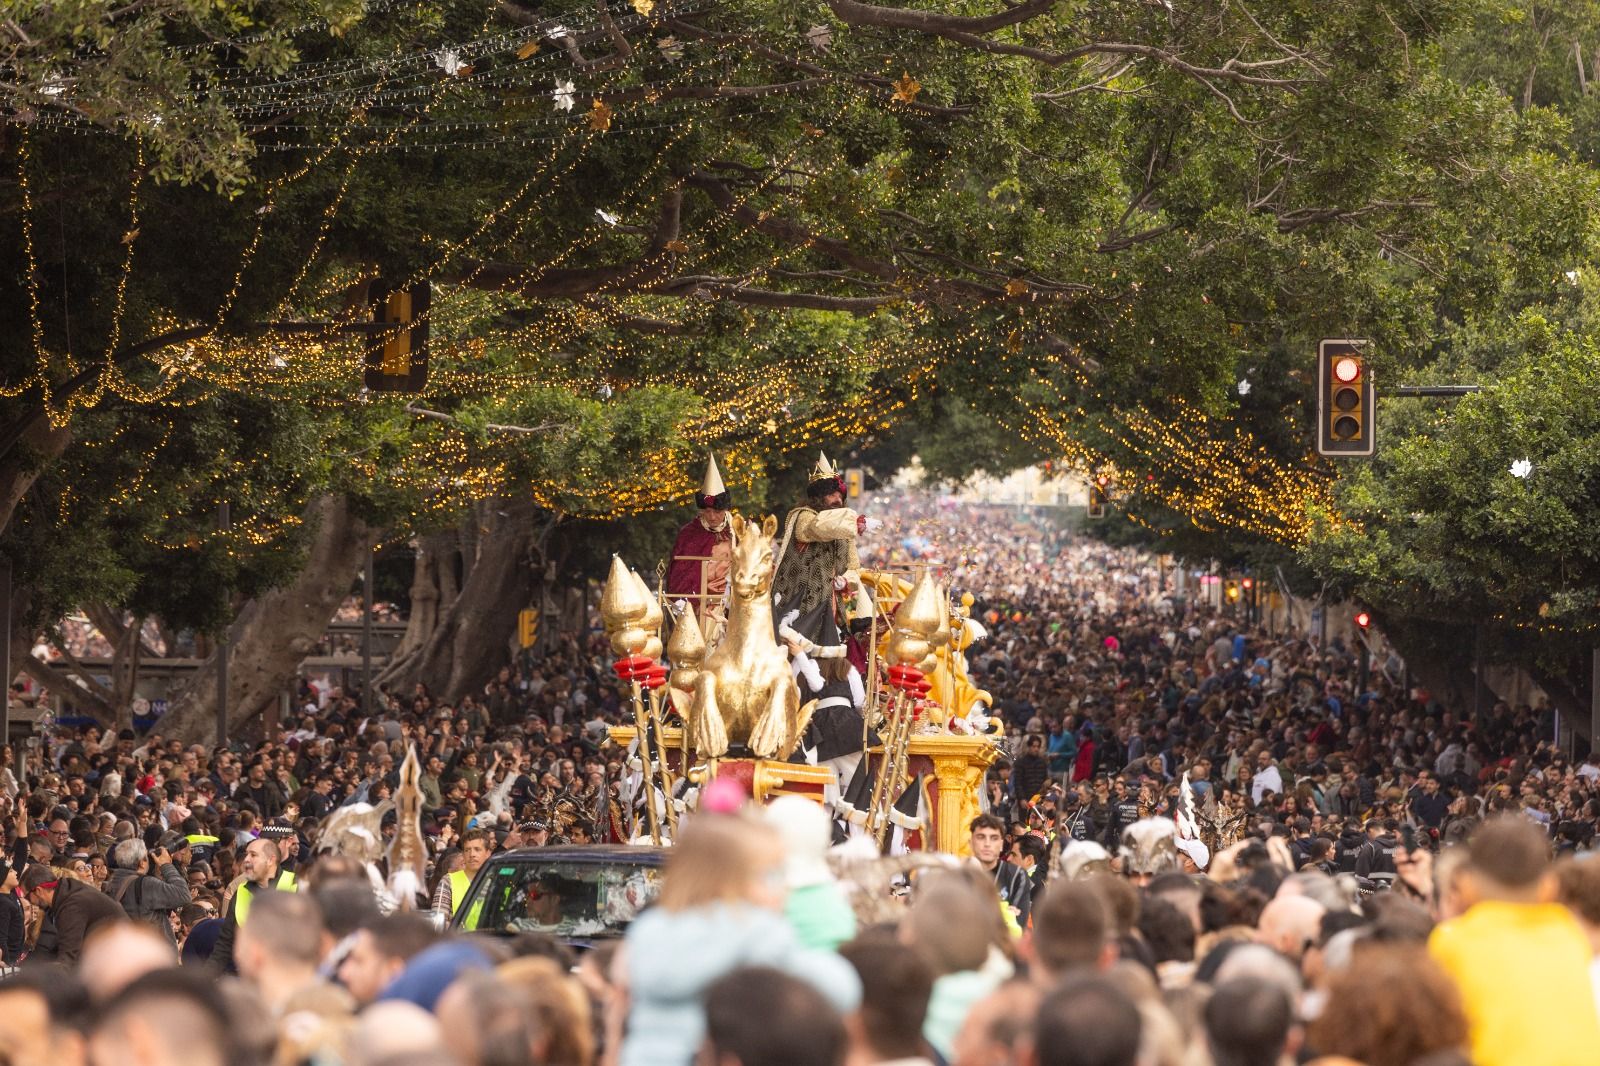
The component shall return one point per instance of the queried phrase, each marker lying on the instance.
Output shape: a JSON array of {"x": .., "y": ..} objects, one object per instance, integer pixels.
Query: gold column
[{"x": 959, "y": 763}]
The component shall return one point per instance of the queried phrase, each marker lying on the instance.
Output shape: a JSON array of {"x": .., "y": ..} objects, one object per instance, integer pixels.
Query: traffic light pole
[{"x": 1430, "y": 390}]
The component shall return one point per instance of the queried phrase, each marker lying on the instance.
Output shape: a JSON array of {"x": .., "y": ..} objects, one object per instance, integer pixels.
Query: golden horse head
[{"x": 750, "y": 576}]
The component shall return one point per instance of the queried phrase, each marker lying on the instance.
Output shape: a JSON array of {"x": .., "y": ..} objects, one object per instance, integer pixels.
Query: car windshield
[{"x": 565, "y": 899}]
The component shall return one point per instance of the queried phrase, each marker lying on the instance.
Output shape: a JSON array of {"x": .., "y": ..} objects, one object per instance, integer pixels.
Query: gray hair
[{"x": 128, "y": 854}]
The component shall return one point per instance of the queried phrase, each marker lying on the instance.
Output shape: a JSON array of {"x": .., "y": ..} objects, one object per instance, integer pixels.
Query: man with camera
[{"x": 148, "y": 897}]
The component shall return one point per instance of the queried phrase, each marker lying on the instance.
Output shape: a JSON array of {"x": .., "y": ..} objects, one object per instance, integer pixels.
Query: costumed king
[
  {"x": 703, "y": 553},
  {"x": 817, "y": 560}
]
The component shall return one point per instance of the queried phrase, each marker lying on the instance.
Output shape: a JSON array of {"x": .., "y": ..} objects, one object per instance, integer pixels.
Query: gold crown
[{"x": 823, "y": 469}]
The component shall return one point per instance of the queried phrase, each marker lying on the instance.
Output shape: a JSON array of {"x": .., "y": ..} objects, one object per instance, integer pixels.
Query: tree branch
[{"x": 493, "y": 427}]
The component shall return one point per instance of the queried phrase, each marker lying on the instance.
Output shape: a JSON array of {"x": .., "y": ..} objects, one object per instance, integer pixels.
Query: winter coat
[
  {"x": 149, "y": 898},
  {"x": 78, "y": 909},
  {"x": 13, "y": 930},
  {"x": 672, "y": 957}
]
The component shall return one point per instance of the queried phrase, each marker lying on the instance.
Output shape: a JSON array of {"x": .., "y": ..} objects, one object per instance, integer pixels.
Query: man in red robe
[{"x": 703, "y": 553}]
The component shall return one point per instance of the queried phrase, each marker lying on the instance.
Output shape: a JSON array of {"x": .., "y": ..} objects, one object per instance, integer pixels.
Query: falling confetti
[
  {"x": 528, "y": 49},
  {"x": 1244, "y": 386},
  {"x": 606, "y": 216},
  {"x": 1521, "y": 468}
]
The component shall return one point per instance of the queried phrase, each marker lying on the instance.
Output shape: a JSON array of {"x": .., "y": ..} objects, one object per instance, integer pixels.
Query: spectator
[
  {"x": 1072, "y": 933},
  {"x": 1522, "y": 964},
  {"x": 1250, "y": 1022},
  {"x": 74, "y": 909},
  {"x": 988, "y": 842},
  {"x": 169, "y": 1018},
  {"x": 379, "y": 952},
  {"x": 1086, "y": 1021},
  {"x": 1391, "y": 1006},
  {"x": 896, "y": 984},
  {"x": 147, "y": 898},
  {"x": 719, "y": 911},
  {"x": 763, "y": 1017}
]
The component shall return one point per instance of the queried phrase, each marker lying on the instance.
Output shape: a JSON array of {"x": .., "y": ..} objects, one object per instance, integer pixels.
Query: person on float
[
  {"x": 817, "y": 559},
  {"x": 836, "y": 735},
  {"x": 702, "y": 555}
]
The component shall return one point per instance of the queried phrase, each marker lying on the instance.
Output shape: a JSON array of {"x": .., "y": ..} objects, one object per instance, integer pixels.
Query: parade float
[{"x": 726, "y": 704}]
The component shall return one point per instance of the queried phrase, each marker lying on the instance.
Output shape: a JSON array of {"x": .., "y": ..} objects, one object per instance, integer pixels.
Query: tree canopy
[{"x": 1108, "y": 234}]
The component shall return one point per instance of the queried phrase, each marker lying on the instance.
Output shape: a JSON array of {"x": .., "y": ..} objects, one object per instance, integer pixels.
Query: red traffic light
[
  {"x": 1346, "y": 369},
  {"x": 1363, "y": 619},
  {"x": 1249, "y": 582}
]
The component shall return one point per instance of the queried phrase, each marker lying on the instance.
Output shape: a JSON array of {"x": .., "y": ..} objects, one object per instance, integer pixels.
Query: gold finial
[
  {"x": 624, "y": 605},
  {"x": 916, "y": 623},
  {"x": 687, "y": 648},
  {"x": 651, "y": 622}
]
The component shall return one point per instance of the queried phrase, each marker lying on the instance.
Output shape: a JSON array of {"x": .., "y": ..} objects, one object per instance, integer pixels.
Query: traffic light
[
  {"x": 1231, "y": 590},
  {"x": 1248, "y": 583},
  {"x": 1346, "y": 414},
  {"x": 853, "y": 483},
  {"x": 397, "y": 360},
  {"x": 1363, "y": 621},
  {"x": 1098, "y": 497},
  {"x": 528, "y": 627}
]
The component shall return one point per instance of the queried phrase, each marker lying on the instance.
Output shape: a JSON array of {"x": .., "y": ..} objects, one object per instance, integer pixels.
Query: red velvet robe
[{"x": 683, "y": 574}]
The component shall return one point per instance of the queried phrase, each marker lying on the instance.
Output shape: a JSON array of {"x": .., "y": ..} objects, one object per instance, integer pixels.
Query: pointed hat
[{"x": 713, "y": 493}]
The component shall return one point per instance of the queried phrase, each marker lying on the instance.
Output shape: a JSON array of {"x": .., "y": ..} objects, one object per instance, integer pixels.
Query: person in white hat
[
  {"x": 702, "y": 555},
  {"x": 816, "y": 905}
]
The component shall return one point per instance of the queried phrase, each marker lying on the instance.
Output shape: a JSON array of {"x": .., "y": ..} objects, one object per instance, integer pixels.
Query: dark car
[{"x": 576, "y": 893}]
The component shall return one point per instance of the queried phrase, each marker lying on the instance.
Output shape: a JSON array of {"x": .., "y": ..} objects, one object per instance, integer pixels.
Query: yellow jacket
[{"x": 1523, "y": 971}]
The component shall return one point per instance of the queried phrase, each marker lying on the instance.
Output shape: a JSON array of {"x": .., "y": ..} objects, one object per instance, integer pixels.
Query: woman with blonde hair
[{"x": 720, "y": 910}]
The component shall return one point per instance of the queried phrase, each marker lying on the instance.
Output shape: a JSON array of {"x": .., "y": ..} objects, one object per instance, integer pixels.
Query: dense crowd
[{"x": 1379, "y": 879}]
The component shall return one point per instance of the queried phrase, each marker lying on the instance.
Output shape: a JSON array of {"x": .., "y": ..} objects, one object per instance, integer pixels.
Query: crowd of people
[{"x": 1381, "y": 880}]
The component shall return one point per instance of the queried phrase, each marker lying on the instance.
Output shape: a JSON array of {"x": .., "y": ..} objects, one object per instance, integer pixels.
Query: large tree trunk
[
  {"x": 433, "y": 590},
  {"x": 273, "y": 634},
  {"x": 20, "y": 467},
  {"x": 468, "y": 638}
]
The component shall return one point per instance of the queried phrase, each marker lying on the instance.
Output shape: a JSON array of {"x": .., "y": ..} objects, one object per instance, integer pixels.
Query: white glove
[{"x": 874, "y": 524}]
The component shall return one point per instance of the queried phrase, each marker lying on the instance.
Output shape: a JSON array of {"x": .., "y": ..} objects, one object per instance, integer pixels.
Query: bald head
[{"x": 1290, "y": 924}]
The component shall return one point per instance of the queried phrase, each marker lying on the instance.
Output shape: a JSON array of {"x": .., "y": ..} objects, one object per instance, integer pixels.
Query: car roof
[{"x": 596, "y": 853}]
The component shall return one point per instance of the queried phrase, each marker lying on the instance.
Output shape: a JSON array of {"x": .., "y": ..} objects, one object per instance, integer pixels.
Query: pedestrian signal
[
  {"x": 528, "y": 626},
  {"x": 852, "y": 482},
  {"x": 1346, "y": 413},
  {"x": 1363, "y": 620}
]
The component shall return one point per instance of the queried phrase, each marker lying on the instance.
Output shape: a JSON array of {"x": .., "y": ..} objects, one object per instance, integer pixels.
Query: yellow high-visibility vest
[
  {"x": 460, "y": 882},
  {"x": 241, "y": 909}
]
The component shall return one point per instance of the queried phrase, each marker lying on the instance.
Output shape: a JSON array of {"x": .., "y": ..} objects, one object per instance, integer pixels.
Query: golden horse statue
[{"x": 746, "y": 694}]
